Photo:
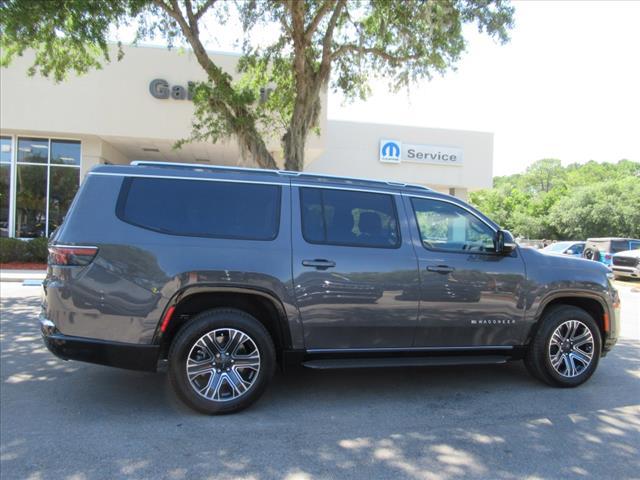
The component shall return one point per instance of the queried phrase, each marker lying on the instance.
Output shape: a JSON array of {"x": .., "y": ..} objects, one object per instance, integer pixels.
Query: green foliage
[
  {"x": 342, "y": 43},
  {"x": 30, "y": 251},
  {"x": 573, "y": 202},
  {"x": 65, "y": 35}
]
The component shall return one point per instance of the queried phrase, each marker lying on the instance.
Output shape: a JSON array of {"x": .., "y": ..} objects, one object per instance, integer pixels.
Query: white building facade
[{"x": 52, "y": 134}]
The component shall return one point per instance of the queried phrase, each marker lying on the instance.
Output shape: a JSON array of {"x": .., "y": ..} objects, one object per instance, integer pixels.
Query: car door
[
  {"x": 469, "y": 295},
  {"x": 352, "y": 261}
]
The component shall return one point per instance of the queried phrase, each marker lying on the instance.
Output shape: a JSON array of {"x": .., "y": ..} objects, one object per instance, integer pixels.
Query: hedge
[{"x": 23, "y": 251}]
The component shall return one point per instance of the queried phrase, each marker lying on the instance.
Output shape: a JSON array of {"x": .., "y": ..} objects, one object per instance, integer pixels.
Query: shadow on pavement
[{"x": 71, "y": 420}]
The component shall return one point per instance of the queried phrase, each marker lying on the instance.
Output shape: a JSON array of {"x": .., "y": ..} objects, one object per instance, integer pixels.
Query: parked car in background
[
  {"x": 565, "y": 248},
  {"x": 602, "y": 249},
  {"x": 626, "y": 264}
]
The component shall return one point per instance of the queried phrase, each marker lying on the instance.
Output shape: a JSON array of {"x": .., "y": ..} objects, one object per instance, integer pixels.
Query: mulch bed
[{"x": 23, "y": 266}]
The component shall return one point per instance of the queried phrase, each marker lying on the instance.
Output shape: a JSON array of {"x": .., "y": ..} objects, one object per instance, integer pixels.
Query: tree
[
  {"x": 573, "y": 202},
  {"x": 608, "y": 209},
  {"x": 341, "y": 43}
]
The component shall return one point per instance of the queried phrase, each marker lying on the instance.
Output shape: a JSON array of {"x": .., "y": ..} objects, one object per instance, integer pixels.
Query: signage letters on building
[
  {"x": 161, "y": 89},
  {"x": 393, "y": 151}
]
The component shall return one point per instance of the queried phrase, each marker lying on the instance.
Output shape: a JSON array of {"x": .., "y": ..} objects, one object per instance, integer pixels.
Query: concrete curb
[{"x": 22, "y": 276}]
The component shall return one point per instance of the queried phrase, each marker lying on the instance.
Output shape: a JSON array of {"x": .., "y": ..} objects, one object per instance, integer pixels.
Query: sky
[{"x": 566, "y": 86}]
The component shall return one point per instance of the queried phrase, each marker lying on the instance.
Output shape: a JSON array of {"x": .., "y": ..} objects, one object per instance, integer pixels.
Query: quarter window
[
  {"x": 202, "y": 208},
  {"x": 342, "y": 217},
  {"x": 445, "y": 226}
]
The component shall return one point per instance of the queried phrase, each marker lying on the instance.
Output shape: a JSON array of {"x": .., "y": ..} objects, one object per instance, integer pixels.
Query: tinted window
[
  {"x": 619, "y": 245},
  {"x": 445, "y": 226},
  {"x": 202, "y": 208},
  {"x": 342, "y": 217}
]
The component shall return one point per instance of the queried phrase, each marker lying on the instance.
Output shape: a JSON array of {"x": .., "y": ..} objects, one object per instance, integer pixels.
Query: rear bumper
[{"x": 112, "y": 354}]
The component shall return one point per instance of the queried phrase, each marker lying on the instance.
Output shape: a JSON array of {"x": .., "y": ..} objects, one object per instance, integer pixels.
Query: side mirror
[
  {"x": 504, "y": 242},
  {"x": 570, "y": 252}
]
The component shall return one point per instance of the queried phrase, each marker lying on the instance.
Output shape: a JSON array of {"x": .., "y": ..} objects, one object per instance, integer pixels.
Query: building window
[
  {"x": 5, "y": 184},
  {"x": 47, "y": 178}
]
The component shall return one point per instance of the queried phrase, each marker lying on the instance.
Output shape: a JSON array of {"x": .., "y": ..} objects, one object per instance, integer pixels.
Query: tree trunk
[
  {"x": 242, "y": 120},
  {"x": 305, "y": 116}
]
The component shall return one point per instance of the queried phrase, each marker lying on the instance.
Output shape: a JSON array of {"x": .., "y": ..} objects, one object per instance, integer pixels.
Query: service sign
[{"x": 393, "y": 151}]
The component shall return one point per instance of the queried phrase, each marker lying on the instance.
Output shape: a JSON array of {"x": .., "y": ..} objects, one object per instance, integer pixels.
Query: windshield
[{"x": 557, "y": 247}]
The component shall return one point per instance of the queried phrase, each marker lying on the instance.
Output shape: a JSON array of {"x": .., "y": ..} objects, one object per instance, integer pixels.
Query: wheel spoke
[
  {"x": 570, "y": 348},
  {"x": 583, "y": 339},
  {"x": 251, "y": 361},
  {"x": 582, "y": 357},
  {"x": 569, "y": 366},
  {"x": 557, "y": 338},
  {"x": 236, "y": 338},
  {"x": 197, "y": 368},
  {"x": 237, "y": 383},
  {"x": 556, "y": 360},
  {"x": 209, "y": 344},
  {"x": 212, "y": 389},
  {"x": 224, "y": 375}
]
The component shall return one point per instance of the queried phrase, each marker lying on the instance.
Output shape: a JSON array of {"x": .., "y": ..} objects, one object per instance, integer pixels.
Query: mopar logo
[{"x": 390, "y": 151}]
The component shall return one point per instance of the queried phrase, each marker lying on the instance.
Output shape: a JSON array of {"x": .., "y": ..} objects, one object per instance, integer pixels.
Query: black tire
[
  {"x": 538, "y": 358},
  {"x": 591, "y": 254},
  {"x": 220, "y": 320}
]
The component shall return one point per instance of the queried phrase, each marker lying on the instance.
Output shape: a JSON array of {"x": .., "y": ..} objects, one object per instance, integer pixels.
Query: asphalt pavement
[{"x": 68, "y": 420}]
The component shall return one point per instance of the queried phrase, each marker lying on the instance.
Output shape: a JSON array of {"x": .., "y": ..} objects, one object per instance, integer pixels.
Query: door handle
[
  {"x": 319, "y": 263},
  {"x": 440, "y": 268}
]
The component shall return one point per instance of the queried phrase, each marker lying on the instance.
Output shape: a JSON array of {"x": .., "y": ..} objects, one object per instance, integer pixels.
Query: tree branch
[
  {"x": 379, "y": 52},
  {"x": 320, "y": 14},
  {"x": 325, "y": 62},
  {"x": 203, "y": 9},
  {"x": 193, "y": 23}
]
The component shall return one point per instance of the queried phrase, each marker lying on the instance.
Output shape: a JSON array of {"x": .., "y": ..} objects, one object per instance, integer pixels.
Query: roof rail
[
  {"x": 150, "y": 163},
  {"x": 288, "y": 173}
]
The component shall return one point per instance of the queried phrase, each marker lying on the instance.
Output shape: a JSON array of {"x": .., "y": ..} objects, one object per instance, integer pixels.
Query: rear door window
[
  {"x": 349, "y": 218},
  {"x": 201, "y": 208}
]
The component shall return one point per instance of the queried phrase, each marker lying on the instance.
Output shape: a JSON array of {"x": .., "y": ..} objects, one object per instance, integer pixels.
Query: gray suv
[{"x": 221, "y": 274}]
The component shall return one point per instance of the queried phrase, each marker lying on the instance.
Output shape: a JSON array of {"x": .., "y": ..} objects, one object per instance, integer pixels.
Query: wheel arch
[
  {"x": 592, "y": 303},
  {"x": 188, "y": 302}
]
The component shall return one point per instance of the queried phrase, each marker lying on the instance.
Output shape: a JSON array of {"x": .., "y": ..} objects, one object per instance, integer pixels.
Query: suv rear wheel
[
  {"x": 566, "y": 349},
  {"x": 221, "y": 361}
]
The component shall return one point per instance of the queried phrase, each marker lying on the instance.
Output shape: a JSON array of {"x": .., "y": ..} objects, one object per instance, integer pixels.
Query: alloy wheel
[
  {"x": 223, "y": 364},
  {"x": 571, "y": 348}
]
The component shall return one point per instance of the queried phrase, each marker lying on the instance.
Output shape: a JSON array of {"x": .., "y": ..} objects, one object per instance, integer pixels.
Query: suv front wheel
[
  {"x": 566, "y": 349},
  {"x": 221, "y": 361}
]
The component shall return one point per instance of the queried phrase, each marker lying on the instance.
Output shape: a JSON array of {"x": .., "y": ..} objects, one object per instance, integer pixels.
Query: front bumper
[
  {"x": 632, "y": 272},
  {"x": 113, "y": 354}
]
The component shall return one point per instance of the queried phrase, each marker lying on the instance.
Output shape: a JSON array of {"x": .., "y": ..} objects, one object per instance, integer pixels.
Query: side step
[{"x": 333, "y": 363}]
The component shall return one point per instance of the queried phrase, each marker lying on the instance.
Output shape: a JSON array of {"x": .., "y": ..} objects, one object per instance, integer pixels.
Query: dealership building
[{"x": 136, "y": 109}]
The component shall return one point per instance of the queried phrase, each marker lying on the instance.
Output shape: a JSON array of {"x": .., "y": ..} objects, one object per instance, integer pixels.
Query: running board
[{"x": 333, "y": 363}]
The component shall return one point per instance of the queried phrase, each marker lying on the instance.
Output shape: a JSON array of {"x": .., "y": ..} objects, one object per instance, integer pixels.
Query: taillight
[
  {"x": 607, "y": 257},
  {"x": 71, "y": 256}
]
